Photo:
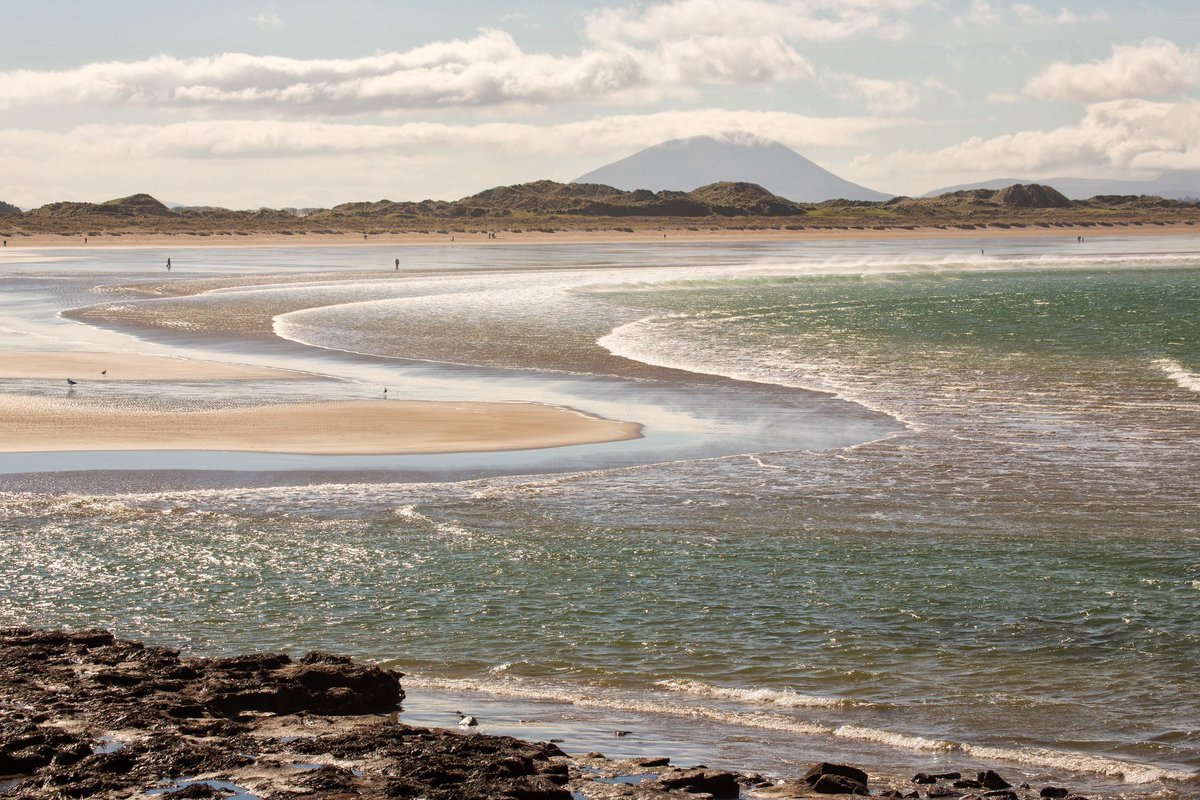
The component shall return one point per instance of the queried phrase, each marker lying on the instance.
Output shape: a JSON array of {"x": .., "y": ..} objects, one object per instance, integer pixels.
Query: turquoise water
[{"x": 982, "y": 552}]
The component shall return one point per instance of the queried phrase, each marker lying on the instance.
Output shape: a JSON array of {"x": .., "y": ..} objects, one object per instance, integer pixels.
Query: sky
[{"x": 252, "y": 103}]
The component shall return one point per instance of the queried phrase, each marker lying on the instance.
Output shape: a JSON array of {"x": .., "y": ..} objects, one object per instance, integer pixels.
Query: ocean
[{"x": 901, "y": 504}]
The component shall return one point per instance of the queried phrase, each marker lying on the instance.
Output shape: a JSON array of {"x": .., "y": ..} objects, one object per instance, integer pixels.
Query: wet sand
[
  {"x": 89, "y": 366},
  {"x": 356, "y": 427}
]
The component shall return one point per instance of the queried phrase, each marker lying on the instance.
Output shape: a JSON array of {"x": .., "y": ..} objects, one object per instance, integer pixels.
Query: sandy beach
[
  {"x": 165, "y": 241},
  {"x": 369, "y": 427}
]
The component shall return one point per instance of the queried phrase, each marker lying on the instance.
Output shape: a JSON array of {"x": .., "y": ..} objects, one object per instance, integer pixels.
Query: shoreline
[
  {"x": 40, "y": 423},
  {"x": 665, "y": 235},
  {"x": 94, "y": 714},
  {"x": 348, "y": 427}
]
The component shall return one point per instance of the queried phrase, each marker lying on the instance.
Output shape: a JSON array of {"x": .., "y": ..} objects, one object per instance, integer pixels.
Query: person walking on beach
[
  {"x": 397, "y": 264},
  {"x": 168, "y": 264}
]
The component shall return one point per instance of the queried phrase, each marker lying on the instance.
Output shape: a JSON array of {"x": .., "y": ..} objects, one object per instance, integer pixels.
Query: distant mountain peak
[{"x": 728, "y": 157}]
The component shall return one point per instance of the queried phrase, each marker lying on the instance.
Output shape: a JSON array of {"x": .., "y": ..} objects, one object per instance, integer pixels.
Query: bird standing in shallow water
[{"x": 71, "y": 382}]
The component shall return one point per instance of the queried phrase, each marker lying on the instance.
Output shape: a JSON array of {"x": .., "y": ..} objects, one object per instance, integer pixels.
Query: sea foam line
[
  {"x": 784, "y": 698},
  {"x": 636, "y": 342},
  {"x": 1176, "y": 372},
  {"x": 1041, "y": 758}
]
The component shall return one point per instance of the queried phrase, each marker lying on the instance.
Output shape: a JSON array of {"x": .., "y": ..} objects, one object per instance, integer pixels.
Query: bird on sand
[
  {"x": 466, "y": 720},
  {"x": 103, "y": 372},
  {"x": 71, "y": 382}
]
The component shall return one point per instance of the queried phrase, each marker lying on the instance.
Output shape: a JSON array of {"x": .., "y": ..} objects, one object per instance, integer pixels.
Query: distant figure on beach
[
  {"x": 397, "y": 263},
  {"x": 168, "y": 264},
  {"x": 364, "y": 237},
  {"x": 71, "y": 382},
  {"x": 981, "y": 251},
  {"x": 103, "y": 372},
  {"x": 85, "y": 240}
]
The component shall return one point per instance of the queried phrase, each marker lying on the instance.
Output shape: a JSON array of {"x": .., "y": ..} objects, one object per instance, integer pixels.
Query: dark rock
[
  {"x": 318, "y": 657},
  {"x": 1054, "y": 792},
  {"x": 943, "y": 791},
  {"x": 717, "y": 783},
  {"x": 844, "y": 770},
  {"x": 1001, "y": 794},
  {"x": 967, "y": 783},
  {"x": 189, "y": 717},
  {"x": 948, "y": 776},
  {"x": 991, "y": 780},
  {"x": 328, "y": 778},
  {"x": 196, "y": 791},
  {"x": 837, "y": 784},
  {"x": 24, "y": 749},
  {"x": 923, "y": 779},
  {"x": 653, "y": 762}
]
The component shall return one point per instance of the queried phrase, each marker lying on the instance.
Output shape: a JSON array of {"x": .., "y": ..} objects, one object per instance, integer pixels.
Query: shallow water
[{"x": 981, "y": 550}]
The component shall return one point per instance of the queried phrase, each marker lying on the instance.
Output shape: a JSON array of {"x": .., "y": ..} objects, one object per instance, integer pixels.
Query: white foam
[
  {"x": 1127, "y": 771},
  {"x": 449, "y": 528},
  {"x": 652, "y": 342},
  {"x": 1066, "y": 761},
  {"x": 1176, "y": 372},
  {"x": 891, "y": 739},
  {"x": 784, "y": 698},
  {"x": 517, "y": 688}
]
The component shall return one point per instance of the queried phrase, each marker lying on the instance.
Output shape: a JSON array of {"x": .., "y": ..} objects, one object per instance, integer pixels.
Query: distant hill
[
  {"x": 8, "y": 208},
  {"x": 548, "y": 207},
  {"x": 136, "y": 205},
  {"x": 1018, "y": 195},
  {"x": 550, "y": 198},
  {"x": 685, "y": 164},
  {"x": 1173, "y": 185}
]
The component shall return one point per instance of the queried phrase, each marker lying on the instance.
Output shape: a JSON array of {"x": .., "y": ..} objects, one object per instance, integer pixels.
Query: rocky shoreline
[{"x": 85, "y": 714}]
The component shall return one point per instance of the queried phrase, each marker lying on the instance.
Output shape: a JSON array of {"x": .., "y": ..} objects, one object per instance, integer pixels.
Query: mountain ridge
[
  {"x": 736, "y": 156},
  {"x": 1170, "y": 185}
]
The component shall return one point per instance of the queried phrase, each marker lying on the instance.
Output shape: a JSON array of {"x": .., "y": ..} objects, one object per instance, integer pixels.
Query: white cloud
[
  {"x": 1031, "y": 15},
  {"x": 803, "y": 20},
  {"x": 249, "y": 163},
  {"x": 981, "y": 13},
  {"x": 490, "y": 69},
  {"x": 878, "y": 95},
  {"x": 1120, "y": 138},
  {"x": 236, "y": 139},
  {"x": 1153, "y": 68}
]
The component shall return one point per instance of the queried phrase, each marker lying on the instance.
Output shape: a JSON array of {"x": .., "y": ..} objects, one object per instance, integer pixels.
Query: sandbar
[
  {"x": 354, "y": 427},
  {"x": 87, "y": 366},
  {"x": 665, "y": 235}
]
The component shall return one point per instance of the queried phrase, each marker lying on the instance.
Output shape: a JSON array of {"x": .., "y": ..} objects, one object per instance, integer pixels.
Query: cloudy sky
[{"x": 244, "y": 103}]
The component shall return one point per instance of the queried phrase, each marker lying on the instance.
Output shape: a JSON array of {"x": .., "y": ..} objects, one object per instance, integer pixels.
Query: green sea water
[{"x": 1010, "y": 577}]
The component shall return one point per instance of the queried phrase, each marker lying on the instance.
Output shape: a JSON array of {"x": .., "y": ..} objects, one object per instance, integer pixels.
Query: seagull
[
  {"x": 71, "y": 382},
  {"x": 466, "y": 720}
]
